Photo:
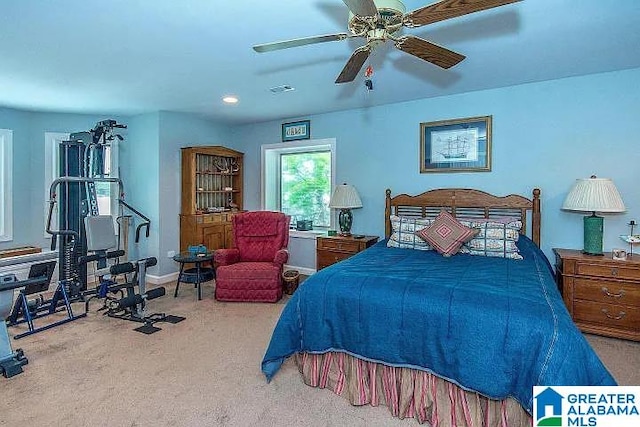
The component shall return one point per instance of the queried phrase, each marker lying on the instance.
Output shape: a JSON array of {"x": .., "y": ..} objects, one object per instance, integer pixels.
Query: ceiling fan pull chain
[{"x": 368, "y": 72}]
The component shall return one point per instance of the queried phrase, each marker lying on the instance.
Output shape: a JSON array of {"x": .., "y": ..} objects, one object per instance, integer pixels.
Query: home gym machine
[{"x": 83, "y": 164}]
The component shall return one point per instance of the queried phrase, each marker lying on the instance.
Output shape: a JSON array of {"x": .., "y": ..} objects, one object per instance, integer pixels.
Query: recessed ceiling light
[{"x": 230, "y": 99}]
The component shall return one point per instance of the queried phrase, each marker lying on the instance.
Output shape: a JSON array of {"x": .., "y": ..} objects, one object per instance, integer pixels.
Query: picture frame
[
  {"x": 457, "y": 145},
  {"x": 619, "y": 254},
  {"x": 294, "y": 131}
]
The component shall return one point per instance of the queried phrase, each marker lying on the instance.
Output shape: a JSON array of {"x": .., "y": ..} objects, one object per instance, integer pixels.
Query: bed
[{"x": 449, "y": 341}]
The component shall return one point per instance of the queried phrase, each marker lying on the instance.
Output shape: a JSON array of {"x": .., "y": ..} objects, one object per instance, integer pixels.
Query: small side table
[
  {"x": 602, "y": 294},
  {"x": 332, "y": 249},
  {"x": 197, "y": 274}
]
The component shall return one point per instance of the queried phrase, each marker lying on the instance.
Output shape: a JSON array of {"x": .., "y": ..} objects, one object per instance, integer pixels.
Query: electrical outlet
[{"x": 171, "y": 254}]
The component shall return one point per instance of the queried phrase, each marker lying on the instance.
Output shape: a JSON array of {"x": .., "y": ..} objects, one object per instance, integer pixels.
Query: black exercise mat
[
  {"x": 147, "y": 329},
  {"x": 170, "y": 318}
]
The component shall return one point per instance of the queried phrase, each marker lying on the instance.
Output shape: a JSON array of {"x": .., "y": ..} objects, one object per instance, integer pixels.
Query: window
[
  {"x": 105, "y": 190},
  {"x": 52, "y": 142},
  {"x": 298, "y": 178},
  {"x": 6, "y": 195}
]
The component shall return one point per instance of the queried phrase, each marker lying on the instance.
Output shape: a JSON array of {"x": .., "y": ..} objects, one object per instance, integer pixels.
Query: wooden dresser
[
  {"x": 601, "y": 294},
  {"x": 331, "y": 249}
]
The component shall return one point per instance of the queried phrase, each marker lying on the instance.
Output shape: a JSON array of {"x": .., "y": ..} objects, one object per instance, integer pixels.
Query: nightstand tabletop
[
  {"x": 366, "y": 239},
  {"x": 605, "y": 258}
]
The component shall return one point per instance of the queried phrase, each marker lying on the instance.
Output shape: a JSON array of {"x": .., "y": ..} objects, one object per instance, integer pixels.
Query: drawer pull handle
[
  {"x": 614, "y": 271},
  {"x": 618, "y": 317},
  {"x": 609, "y": 294}
]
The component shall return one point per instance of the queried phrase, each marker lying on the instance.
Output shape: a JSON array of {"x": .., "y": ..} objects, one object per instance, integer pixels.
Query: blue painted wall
[
  {"x": 545, "y": 135},
  {"x": 28, "y": 167},
  {"x": 149, "y": 167},
  {"x": 139, "y": 170},
  {"x": 178, "y": 130}
]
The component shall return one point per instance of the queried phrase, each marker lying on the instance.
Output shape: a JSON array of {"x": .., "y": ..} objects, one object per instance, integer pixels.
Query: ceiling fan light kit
[
  {"x": 380, "y": 20},
  {"x": 389, "y": 13}
]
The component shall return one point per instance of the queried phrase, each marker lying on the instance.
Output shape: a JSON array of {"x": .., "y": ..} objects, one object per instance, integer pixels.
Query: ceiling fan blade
[
  {"x": 362, "y": 7},
  {"x": 354, "y": 64},
  {"x": 447, "y": 9},
  {"x": 285, "y": 44},
  {"x": 438, "y": 55}
]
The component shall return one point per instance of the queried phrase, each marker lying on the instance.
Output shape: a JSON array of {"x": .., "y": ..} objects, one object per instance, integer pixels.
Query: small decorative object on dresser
[
  {"x": 602, "y": 294},
  {"x": 619, "y": 254},
  {"x": 331, "y": 249}
]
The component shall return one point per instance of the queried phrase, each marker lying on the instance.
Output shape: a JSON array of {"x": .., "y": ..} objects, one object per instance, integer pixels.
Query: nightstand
[
  {"x": 601, "y": 294},
  {"x": 331, "y": 249}
]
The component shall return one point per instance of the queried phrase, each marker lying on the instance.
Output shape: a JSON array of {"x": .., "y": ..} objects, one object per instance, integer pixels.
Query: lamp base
[
  {"x": 345, "y": 219},
  {"x": 593, "y": 230}
]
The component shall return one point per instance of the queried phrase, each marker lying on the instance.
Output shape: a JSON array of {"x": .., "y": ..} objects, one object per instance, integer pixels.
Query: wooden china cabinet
[{"x": 211, "y": 195}]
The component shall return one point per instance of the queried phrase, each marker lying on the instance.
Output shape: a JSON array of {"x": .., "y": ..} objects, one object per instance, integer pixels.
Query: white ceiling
[{"x": 136, "y": 56}]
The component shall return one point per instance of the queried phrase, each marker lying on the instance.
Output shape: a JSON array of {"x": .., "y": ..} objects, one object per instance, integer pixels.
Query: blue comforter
[{"x": 493, "y": 325}]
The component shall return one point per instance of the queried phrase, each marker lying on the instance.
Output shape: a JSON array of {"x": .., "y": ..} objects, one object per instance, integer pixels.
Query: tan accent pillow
[{"x": 446, "y": 234}]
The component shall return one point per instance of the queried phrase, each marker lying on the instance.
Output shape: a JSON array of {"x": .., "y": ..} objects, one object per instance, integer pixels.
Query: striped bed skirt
[{"x": 408, "y": 393}]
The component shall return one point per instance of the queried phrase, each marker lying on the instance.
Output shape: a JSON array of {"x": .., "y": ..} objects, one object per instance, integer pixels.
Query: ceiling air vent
[{"x": 282, "y": 88}]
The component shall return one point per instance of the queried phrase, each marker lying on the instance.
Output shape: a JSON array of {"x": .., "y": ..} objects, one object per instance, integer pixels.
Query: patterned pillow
[
  {"x": 446, "y": 234},
  {"x": 404, "y": 233},
  {"x": 497, "y": 237},
  {"x": 493, "y": 248}
]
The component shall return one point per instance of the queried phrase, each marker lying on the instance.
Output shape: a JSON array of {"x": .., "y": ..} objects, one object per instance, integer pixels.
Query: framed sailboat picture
[{"x": 458, "y": 145}]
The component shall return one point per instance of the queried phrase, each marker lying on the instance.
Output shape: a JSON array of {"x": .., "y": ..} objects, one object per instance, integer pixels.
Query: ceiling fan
[{"x": 380, "y": 20}]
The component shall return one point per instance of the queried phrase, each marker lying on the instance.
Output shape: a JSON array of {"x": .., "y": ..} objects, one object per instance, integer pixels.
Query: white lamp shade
[
  {"x": 594, "y": 195},
  {"x": 345, "y": 196}
]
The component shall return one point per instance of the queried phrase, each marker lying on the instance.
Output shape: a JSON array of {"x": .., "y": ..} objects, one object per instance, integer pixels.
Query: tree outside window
[{"x": 306, "y": 186}]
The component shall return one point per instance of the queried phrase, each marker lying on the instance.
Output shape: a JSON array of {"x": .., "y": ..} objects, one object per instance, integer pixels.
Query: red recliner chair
[{"x": 252, "y": 271}]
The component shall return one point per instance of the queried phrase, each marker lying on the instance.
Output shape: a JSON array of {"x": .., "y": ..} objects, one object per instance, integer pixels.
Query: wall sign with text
[{"x": 296, "y": 130}]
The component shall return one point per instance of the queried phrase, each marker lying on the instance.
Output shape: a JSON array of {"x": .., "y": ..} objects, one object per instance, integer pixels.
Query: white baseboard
[{"x": 157, "y": 280}]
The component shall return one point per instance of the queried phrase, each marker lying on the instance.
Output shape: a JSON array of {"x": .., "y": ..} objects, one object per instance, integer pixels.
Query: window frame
[
  {"x": 6, "y": 185},
  {"x": 270, "y": 172},
  {"x": 51, "y": 173}
]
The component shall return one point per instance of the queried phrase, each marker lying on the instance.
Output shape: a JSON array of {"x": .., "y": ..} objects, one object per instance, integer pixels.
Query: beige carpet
[{"x": 204, "y": 371}]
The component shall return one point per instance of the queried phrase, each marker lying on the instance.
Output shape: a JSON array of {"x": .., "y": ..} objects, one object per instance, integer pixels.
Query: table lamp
[
  {"x": 593, "y": 195},
  {"x": 345, "y": 197}
]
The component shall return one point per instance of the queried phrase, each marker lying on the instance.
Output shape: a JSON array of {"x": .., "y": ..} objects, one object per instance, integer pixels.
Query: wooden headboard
[{"x": 465, "y": 203}]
